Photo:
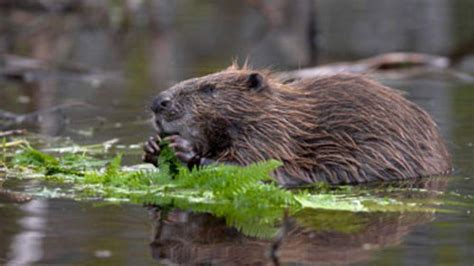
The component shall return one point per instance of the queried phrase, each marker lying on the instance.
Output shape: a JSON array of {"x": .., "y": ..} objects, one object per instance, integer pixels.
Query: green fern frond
[{"x": 247, "y": 197}]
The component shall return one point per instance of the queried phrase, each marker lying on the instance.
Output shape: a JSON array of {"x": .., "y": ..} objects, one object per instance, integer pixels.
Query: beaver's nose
[{"x": 160, "y": 103}]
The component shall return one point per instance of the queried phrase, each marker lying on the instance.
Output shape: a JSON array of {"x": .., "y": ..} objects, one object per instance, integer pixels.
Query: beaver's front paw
[
  {"x": 152, "y": 150},
  {"x": 183, "y": 148}
]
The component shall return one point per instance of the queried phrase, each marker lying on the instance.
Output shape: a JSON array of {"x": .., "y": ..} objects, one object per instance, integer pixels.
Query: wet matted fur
[{"x": 340, "y": 129}]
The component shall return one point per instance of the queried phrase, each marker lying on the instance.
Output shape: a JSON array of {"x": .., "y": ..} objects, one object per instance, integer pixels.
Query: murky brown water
[{"x": 132, "y": 64}]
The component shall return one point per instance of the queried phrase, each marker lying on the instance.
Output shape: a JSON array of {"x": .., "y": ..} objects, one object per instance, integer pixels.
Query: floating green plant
[{"x": 246, "y": 197}]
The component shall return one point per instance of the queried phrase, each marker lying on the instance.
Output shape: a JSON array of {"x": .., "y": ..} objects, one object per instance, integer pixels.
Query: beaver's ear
[{"x": 255, "y": 82}]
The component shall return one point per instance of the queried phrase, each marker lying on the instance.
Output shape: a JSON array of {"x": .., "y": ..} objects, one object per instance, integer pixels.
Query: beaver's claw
[
  {"x": 152, "y": 150},
  {"x": 183, "y": 148}
]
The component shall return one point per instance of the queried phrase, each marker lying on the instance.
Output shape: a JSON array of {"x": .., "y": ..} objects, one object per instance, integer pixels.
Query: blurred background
[
  {"x": 104, "y": 60},
  {"x": 184, "y": 34},
  {"x": 87, "y": 70}
]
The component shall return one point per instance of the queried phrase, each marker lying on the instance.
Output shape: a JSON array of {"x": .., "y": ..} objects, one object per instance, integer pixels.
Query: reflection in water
[
  {"x": 204, "y": 239},
  {"x": 26, "y": 247},
  {"x": 311, "y": 235}
]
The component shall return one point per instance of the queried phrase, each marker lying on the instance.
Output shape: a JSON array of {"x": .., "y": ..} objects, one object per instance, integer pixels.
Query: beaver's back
[
  {"x": 337, "y": 129},
  {"x": 363, "y": 132}
]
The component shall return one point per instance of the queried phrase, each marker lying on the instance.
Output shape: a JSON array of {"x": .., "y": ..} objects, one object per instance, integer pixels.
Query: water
[{"x": 135, "y": 62}]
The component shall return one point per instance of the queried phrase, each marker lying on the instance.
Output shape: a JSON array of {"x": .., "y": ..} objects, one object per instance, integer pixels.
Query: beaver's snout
[
  {"x": 167, "y": 114},
  {"x": 160, "y": 103}
]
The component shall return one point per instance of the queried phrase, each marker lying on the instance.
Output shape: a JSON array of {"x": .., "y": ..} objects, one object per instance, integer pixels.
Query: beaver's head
[{"x": 209, "y": 111}]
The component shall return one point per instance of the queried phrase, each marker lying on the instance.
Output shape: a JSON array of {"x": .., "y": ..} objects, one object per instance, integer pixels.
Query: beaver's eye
[{"x": 208, "y": 89}]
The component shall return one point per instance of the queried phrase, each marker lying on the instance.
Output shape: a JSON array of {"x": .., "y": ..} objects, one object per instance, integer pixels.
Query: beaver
[{"x": 339, "y": 129}]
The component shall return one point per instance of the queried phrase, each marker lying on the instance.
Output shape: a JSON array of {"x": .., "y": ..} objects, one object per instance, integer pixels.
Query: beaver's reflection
[{"x": 310, "y": 236}]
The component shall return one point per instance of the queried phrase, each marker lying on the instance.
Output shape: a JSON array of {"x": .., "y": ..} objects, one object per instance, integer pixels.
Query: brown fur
[{"x": 340, "y": 129}]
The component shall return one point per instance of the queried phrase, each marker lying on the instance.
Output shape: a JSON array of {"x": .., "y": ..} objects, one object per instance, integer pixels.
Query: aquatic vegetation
[{"x": 245, "y": 196}]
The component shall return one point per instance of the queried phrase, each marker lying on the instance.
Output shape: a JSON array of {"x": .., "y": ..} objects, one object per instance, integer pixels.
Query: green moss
[{"x": 68, "y": 164}]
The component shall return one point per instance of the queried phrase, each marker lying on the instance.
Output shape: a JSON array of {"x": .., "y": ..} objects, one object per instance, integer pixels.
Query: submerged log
[
  {"x": 14, "y": 132},
  {"x": 11, "y": 120},
  {"x": 379, "y": 63},
  {"x": 26, "y": 69}
]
